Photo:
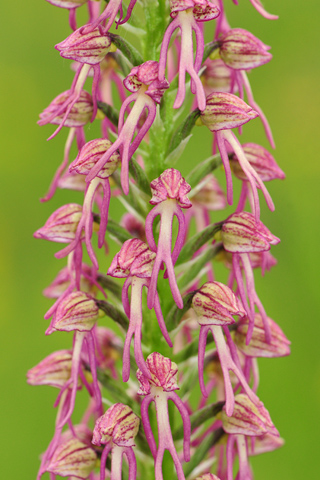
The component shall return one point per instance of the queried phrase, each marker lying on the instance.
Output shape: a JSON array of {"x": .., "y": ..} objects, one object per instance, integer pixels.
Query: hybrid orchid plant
[{"x": 165, "y": 246}]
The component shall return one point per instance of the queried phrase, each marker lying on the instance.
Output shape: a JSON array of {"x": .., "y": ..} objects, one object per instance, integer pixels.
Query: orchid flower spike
[
  {"x": 135, "y": 263},
  {"x": 215, "y": 304},
  {"x": 169, "y": 196},
  {"x": 186, "y": 14},
  {"x": 116, "y": 430},
  {"x": 159, "y": 387},
  {"x": 223, "y": 112},
  {"x": 147, "y": 91},
  {"x": 88, "y": 156},
  {"x": 242, "y": 235},
  {"x": 78, "y": 312}
]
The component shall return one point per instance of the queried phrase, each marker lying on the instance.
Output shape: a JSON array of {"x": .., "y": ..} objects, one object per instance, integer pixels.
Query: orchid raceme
[{"x": 118, "y": 312}]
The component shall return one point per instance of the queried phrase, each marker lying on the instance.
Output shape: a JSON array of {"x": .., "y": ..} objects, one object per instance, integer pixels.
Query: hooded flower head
[
  {"x": 224, "y": 111},
  {"x": 170, "y": 185},
  {"x": 61, "y": 226},
  {"x": 90, "y": 154},
  {"x": 241, "y": 233},
  {"x": 118, "y": 425},
  {"x": 73, "y": 458},
  {"x": 261, "y": 160},
  {"x": 163, "y": 373},
  {"x": 215, "y": 303},
  {"x": 64, "y": 278},
  {"x": 247, "y": 418},
  {"x": 279, "y": 345},
  {"x": 78, "y": 311},
  {"x": 241, "y": 50},
  {"x": 90, "y": 48},
  {"x": 135, "y": 258},
  {"x": 79, "y": 115},
  {"x": 54, "y": 370},
  {"x": 202, "y": 10},
  {"x": 146, "y": 74}
]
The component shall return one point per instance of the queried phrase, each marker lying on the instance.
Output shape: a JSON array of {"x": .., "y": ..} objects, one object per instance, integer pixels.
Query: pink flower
[
  {"x": 185, "y": 16},
  {"x": 159, "y": 387},
  {"x": 135, "y": 262},
  {"x": 169, "y": 195},
  {"x": 148, "y": 91},
  {"x": 215, "y": 305}
]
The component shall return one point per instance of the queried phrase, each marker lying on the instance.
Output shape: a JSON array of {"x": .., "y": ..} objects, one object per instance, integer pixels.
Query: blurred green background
[{"x": 288, "y": 91}]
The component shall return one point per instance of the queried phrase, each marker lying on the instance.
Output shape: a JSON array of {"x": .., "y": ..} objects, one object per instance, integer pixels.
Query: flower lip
[
  {"x": 202, "y": 10},
  {"x": 241, "y": 233},
  {"x": 215, "y": 303},
  {"x": 170, "y": 185},
  {"x": 225, "y": 111},
  {"x": 118, "y": 425},
  {"x": 90, "y": 48},
  {"x": 163, "y": 373},
  {"x": 90, "y": 154},
  {"x": 241, "y": 50}
]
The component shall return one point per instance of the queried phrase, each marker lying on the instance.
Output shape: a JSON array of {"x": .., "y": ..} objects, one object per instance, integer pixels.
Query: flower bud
[
  {"x": 118, "y": 425},
  {"x": 90, "y": 48},
  {"x": 211, "y": 196},
  {"x": 215, "y": 303},
  {"x": 241, "y": 233},
  {"x": 261, "y": 160},
  {"x": 73, "y": 458},
  {"x": 134, "y": 258},
  {"x": 61, "y": 226},
  {"x": 146, "y": 74},
  {"x": 163, "y": 373},
  {"x": 90, "y": 154},
  {"x": 79, "y": 115},
  {"x": 258, "y": 347},
  {"x": 241, "y": 50},
  {"x": 170, "y": 185},
  {"x": 67, "y": 3},
  {"x": 224, "y": 111},
  {"x": 203, "y": 10},
  {"x": 78, "y": 311},
  {"x": 247, "y": 418},
  {"x": 53, "y": 370}
]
